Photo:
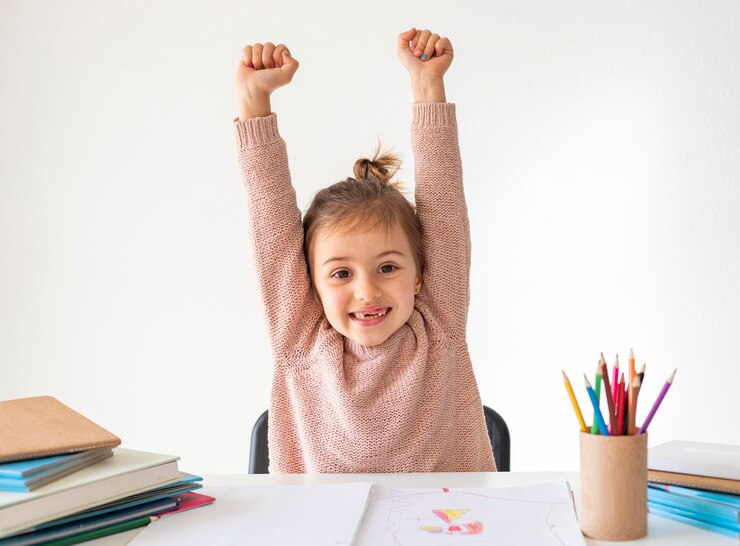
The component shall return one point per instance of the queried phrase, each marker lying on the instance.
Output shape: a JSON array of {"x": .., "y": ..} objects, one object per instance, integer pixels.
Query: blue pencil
[{"x": 597, "y": 412}]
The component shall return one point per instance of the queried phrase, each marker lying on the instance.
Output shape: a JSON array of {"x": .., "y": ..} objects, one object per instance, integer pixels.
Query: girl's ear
[{"x": 417, "y": 285}]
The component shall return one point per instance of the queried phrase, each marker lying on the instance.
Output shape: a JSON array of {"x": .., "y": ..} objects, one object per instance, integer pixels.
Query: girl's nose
[{"x": 367, "y": 290}]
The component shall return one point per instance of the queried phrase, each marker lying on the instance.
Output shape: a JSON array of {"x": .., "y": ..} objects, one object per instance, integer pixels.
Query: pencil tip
[
  {"x": 670, "y": 379},
  {"x": 632, "y": 354}
]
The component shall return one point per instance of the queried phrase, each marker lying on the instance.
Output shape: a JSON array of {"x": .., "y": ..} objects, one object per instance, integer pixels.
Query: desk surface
[{"x": 661, "y": 531}]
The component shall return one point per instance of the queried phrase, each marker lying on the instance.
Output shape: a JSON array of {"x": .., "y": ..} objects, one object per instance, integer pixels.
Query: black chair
[{"x": 498, "y": 433}]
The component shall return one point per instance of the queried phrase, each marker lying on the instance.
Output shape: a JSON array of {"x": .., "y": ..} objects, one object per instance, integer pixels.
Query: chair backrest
[
  {"x": 498, "y": 433},
  {"x": 259, "y": 457}
]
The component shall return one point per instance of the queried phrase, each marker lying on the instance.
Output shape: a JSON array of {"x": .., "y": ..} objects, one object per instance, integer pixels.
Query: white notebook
[
  {"x": 699, "y": 458},
  {"x": 278, "y": 515}
]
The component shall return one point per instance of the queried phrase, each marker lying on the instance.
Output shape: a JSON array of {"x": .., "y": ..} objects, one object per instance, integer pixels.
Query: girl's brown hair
[{"x": 368, "y": 201}]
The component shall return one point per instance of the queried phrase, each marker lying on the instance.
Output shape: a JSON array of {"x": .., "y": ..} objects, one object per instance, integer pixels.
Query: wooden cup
[{"x": 613, "y": 486}]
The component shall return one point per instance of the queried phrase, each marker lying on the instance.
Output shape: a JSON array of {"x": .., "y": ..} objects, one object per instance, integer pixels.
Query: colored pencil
[
  {"x": 573, "y": 401},
  {"x": 657, "y": 403},
  {"x": 615, "y": 378},
  {"x": 597, "y": 391},
  {"x": 597, "y": 412},
  {"x": 634, "y": 391},
  {"x": 609, "y": 400},
  {"x": 630, "y": 408},
  {"x": 621, "y": 399},
  {"x": 641, "y": 374}
]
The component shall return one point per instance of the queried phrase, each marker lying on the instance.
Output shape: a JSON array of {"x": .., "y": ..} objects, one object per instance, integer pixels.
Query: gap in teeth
[{"x": 369, "y": 315}]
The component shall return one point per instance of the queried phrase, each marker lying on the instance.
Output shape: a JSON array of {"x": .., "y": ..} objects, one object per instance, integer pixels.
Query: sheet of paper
[
  {"x": 539, "y": 514},
  {"x": 321, "y": 515}
]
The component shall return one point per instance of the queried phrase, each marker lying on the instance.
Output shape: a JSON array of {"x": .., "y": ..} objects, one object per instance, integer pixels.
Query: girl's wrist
[
  {"x": 428, "y": 89},
  {"x": 254, "y": 105}
]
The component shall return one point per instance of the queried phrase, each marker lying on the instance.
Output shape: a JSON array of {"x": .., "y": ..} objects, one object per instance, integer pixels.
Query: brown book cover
[
  {"x": 721, "y": 485},
  {"x": 41, "y": 426}
]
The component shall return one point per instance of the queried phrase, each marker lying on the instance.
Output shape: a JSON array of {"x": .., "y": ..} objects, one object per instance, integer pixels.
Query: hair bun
[{"x": 381, "y": 168}]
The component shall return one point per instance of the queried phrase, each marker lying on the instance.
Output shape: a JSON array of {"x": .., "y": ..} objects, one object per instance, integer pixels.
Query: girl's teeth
[{"x": 363, "y": 316}]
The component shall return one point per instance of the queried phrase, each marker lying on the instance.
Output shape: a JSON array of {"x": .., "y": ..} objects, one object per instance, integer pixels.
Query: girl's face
[{"x": 366, "y": 281}]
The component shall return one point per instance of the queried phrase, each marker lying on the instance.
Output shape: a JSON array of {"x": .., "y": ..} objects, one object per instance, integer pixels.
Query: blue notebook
[
  {"x": 27, "y": 475},
  {"x": 684, "y": 516},
  {"x": 704, "y": 509}
]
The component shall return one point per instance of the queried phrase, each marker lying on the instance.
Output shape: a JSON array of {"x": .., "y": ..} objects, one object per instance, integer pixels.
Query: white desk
[{"x": 661, "y": 531}]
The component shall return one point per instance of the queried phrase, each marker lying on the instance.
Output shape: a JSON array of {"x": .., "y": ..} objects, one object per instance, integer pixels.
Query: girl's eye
[
  {"x": 341, "y": 274},
  {"x": 387, "y": 268}
]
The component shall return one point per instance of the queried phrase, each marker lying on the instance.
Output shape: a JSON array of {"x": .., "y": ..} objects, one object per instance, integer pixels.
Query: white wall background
[{"x": 601, "y": 146}]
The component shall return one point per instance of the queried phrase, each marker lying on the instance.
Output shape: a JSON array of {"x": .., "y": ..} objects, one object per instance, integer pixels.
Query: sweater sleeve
[
  {"x": 276, "y": 234},
  {"x": 440, "y": 205}
]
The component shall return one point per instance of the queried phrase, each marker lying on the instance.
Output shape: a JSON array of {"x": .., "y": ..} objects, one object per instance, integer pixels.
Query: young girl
[{"x": 366, "y": 300}]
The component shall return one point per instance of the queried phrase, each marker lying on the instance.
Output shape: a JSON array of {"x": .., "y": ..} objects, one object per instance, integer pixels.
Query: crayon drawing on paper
[{"x": 542, "y": 515}]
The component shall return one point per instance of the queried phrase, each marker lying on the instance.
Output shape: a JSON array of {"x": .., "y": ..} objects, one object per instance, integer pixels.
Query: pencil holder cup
[{"x": 613, "y": 486}]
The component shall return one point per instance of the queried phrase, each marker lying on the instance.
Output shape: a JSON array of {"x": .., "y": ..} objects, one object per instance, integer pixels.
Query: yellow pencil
[{"x": 573, "y": 401}]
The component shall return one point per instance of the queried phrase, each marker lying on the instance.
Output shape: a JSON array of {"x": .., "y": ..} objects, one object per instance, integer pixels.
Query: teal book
[
  {"x": 29, "y": 467},
  {"x": 25, "y": 476},
  {"x": 681, "y": 516},
  {"x": 699, "y": 508}
]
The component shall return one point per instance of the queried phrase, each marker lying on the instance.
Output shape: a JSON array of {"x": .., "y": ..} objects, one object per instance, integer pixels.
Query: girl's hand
[
  {"x": 262, "y": 69},
  {"x": 427, "y": 57}
]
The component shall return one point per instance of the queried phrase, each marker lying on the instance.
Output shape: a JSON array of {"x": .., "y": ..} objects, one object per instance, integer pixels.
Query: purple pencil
[{"x": 664, "y": 390}]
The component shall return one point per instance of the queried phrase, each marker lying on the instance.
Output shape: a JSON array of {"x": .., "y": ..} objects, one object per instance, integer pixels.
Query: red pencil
[
  {"x": 615, "y": 376},
  {"x": 622, "y": 397}
]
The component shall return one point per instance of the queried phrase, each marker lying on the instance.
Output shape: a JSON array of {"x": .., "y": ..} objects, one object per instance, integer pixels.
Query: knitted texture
[{"x": 410, "y": 404}]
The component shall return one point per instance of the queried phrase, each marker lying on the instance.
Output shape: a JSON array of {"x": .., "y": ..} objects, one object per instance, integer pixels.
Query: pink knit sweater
[{"x": 410, "y": 404}]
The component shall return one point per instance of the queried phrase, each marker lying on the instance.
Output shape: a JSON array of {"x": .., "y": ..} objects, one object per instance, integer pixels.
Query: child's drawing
[
  {"x": 458, "y": 528},
  {"x": 515, "y": 516}
]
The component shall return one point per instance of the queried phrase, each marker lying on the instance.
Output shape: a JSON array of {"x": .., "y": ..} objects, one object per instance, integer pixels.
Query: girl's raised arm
[
  {"x": 274, "y": 218},
  {"x": 440, "y": 200}
]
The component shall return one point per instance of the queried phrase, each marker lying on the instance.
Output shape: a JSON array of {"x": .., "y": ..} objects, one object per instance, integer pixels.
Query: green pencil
[
  {"x": 597, "y": 391},
  {"x": 112, "y": 530}
]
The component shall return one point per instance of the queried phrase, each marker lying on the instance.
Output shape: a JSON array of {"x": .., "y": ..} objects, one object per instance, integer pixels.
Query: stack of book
[
  {"x": 696, "y": 483},
  {"x": 64, "y": 480}
]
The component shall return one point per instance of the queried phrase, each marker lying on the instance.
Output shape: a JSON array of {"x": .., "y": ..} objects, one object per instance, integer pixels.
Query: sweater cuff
[
  {"x": 255, "y": 132},
  {"x": 433, "y": 114}
]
